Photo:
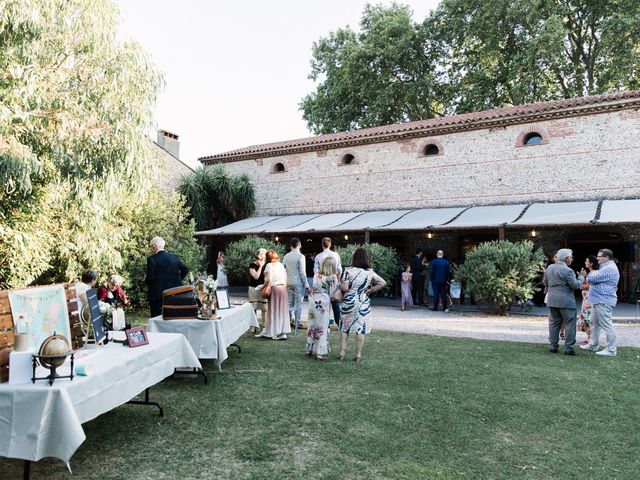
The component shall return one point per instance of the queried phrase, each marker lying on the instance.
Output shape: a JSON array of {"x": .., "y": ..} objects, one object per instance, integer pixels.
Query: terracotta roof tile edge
[{"x": 570, "y": 105}]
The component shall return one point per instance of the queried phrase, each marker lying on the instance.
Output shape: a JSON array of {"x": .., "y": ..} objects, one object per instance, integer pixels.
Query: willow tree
[
  {"x": 216, "y": 198},
  {"x": 76, "y": 104}
]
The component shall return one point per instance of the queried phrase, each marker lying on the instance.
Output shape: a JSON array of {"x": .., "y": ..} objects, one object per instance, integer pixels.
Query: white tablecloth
[
  {"x": 210, "y": 338},
  {"x": 38, "y": 420}
]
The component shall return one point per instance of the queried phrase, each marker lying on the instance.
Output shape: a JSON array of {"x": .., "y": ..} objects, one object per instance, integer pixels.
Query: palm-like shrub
[
  {"x": 499, "y": 271},
  {"x": 217, "y": 198}
]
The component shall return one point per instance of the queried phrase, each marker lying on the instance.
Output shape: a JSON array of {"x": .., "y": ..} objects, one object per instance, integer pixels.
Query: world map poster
[{"x": 44, "y": 310}]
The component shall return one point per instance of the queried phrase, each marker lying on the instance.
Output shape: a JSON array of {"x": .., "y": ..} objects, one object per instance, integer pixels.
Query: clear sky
[{"x": 236, "y": 70}]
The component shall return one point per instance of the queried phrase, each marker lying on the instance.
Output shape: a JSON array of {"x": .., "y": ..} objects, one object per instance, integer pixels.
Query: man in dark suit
[
  {"x": 417, "y": 282},
  {"x": 164, "y": 270},
  {"x": 440, "y": 273}
]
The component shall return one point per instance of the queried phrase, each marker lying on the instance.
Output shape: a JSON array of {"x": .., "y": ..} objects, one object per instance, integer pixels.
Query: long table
[
  {"x": 210, "y": 338},
  {"x": 38, "y": 420}
]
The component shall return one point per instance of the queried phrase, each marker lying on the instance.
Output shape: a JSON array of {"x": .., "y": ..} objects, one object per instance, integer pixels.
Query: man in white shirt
[
  {"x": 294, "y": 263},
  {"x": 326, "y": 245}
]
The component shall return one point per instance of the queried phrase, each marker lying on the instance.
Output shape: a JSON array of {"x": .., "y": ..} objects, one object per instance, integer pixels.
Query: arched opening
[
  {"x": 348, "y": 159},
  {"x": 431, "y": 149},
  {"x": 532, "y": 138},
  {"x": 278, "y": 168}
]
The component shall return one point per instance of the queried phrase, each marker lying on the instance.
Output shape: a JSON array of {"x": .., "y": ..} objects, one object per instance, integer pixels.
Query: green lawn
[{"x": 416, "y": 407}]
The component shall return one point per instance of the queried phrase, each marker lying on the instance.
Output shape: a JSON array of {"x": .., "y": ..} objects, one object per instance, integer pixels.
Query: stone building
[
  {"x": 167, "y": 150},
  {"x": 562, "y": 173}
]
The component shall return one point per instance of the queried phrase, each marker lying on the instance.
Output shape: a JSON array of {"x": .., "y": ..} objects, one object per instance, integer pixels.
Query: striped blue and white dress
[{"x": 356, "y": 306}]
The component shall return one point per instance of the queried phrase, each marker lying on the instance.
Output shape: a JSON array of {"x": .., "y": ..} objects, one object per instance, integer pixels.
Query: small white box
[{"x": 20, "y": 367}]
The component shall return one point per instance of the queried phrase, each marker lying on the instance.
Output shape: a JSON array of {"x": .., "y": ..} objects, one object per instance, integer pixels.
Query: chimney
[{"x": 169, "y": 142}]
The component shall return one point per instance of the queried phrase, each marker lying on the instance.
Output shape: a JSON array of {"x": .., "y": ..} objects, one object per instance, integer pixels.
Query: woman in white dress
[
  {"x": 277, "y": 324},
  {"x": 221, "y": 274},
  {"x": 325, "y": 283}
]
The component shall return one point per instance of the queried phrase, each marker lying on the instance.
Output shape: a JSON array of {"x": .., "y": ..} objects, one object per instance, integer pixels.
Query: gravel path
[
  {"x": 513, "y": 328},
  {"x": 528, "y": 328}
]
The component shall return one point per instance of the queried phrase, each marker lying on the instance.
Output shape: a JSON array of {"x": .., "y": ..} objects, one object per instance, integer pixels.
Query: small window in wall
[
  {"x": 348, "y": 159},
  {"x": 278, "y": 168},
  {"x": 431, "y": 149},
  {"x": 533, "y": 138}
]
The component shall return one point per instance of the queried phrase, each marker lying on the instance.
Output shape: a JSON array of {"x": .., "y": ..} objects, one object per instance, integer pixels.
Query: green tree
[
  {"x": 383, "y": 74},
  {"x": 217, "y": 198},
  {"x": 499, "y": 271},
  {"x": 76, "y": 105},
  {"x": 508, "y": 52},
  {"x": 470, "y": 55},
  {"x": 156, "y": 216},
  {"x": 241, "y": 253},
  {"x": 383, "y": 259}
]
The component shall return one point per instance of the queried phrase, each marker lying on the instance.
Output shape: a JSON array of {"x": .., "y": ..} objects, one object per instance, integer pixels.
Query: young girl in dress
[{"x": 407, "y": 300}]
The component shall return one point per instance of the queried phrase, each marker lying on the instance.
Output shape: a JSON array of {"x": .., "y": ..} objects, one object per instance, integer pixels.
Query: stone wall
[
  {"x": 169, "y": 178},
  {"x": 586, "y": 157}
]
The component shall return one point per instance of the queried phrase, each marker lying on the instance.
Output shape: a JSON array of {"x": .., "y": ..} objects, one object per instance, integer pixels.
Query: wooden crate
[{"x": 7, "y": 333}]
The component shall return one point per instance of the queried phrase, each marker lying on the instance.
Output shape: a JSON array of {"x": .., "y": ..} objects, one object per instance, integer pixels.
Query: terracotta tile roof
[{"x": 526, "y": 112}]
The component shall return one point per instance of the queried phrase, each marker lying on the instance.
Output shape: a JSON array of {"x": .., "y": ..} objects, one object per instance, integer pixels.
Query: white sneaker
[
  {"x": 605, "y": 353},
  {"x": 446, "y": 310},
  {"x": 589, "y": 347},
  {"x": 281, "y": 337}
]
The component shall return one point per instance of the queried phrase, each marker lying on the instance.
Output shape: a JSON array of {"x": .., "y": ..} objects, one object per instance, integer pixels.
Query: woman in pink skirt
[{"x": 277, "y": 323}]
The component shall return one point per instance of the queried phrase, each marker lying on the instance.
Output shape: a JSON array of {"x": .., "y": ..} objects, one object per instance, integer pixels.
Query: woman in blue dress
[{"x": 358, "y": 283}]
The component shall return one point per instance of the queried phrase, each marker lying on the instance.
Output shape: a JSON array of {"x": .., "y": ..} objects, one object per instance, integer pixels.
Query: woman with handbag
[
  {"x": 325, "y": 284},
  {"x": 276, "y": 325},
  {"x": 358, "y": 283}
]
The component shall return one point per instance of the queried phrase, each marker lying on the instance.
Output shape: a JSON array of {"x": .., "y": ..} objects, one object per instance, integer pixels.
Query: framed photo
[
  {"x": 136, "y": 337},
  {"x": 222, "y": 297}
]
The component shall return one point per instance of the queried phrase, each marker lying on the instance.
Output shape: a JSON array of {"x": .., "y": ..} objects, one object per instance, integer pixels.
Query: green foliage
[
  {"x": 163, "y": 217},
  {"x": 217, "y": 198},
  {"x": 499, "y": 271},
  {"x": 384, "y": 74},
  {"x": 75, "y": 111},
  {"x": 470, "y": 55},
  {"x": 241, "y": 253},
  {"x": 383, "y": 259}
]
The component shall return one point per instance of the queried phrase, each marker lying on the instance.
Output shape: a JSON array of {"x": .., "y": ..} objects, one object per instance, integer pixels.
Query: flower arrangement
[
  {"x": 105, "y": 308},
  {"x": 206, "y": 287}
]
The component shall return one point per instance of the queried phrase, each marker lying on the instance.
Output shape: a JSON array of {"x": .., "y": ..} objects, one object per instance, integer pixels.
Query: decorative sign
[
  {"x": 99, "y": 332},
  {"x": 44, "y": 310},
  {"x": 222, "y": 298}
]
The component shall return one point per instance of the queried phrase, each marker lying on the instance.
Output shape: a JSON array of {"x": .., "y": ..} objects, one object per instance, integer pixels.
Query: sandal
[
  {"x": 322, "y": 357},
  {"x": 357, "y": 358},
  {"x": 341, "y": 357}
]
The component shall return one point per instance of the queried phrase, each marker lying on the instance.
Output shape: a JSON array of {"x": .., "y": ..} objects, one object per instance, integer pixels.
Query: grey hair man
[
  {"x": 603, "y": 284},
  {"x": 164, "y": 270},
  {"x": 327, "y": 252},
  {"x": 295, "y": 264},
  {"x": 561, "y": 282}
]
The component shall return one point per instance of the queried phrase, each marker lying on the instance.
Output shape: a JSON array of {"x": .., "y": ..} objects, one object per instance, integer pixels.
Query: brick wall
[{"x": 588, "y": 157}]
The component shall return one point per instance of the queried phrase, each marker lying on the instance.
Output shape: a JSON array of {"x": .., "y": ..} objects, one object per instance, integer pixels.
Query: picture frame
[
  {"x": 222, "y": 298},
  {"x": 136, "y": 337}
]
